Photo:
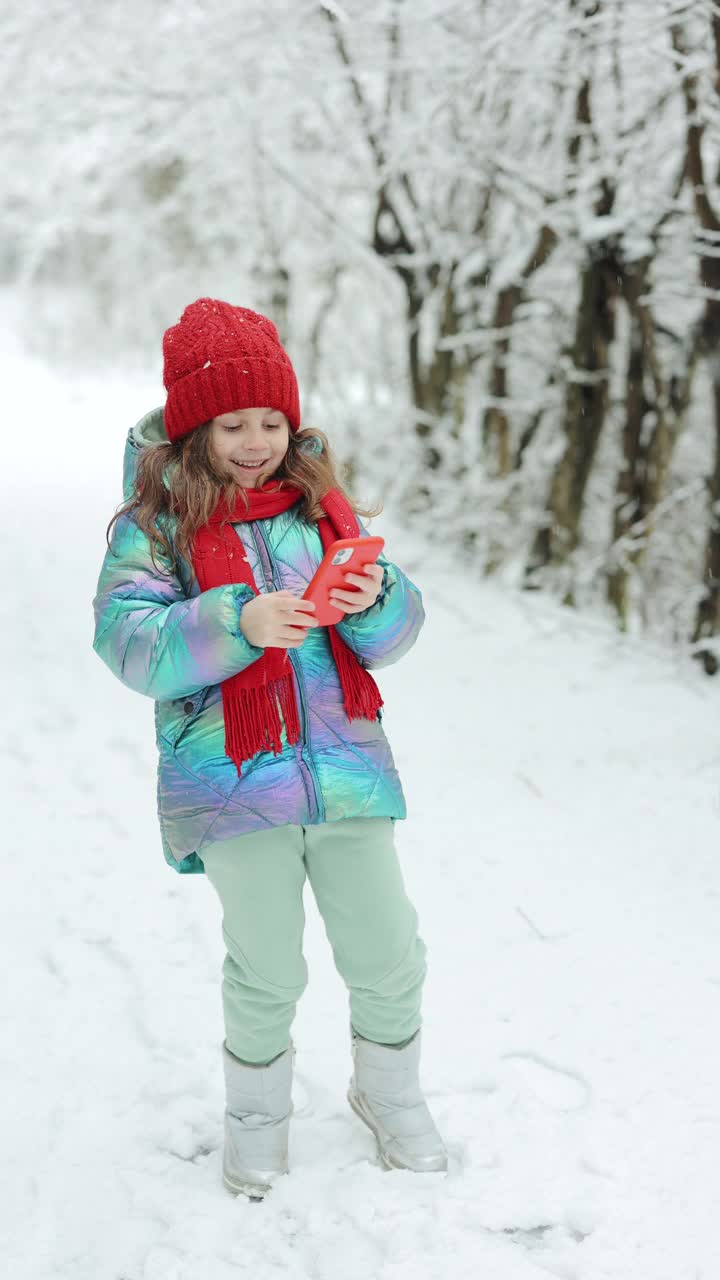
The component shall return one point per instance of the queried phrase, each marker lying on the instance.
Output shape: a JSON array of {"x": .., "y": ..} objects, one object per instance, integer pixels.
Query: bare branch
[
  {"x": 694, "y": 168},
  {"x": 361, "y": 102},
  {"x": 387, "y": 207}
]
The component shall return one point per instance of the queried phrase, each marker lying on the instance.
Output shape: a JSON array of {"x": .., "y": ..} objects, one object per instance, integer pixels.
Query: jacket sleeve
[
  {"x": 152, "y": 636},
  {"x": 386, "y": 631}
]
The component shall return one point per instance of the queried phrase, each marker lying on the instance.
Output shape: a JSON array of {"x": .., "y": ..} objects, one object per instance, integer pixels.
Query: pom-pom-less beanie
[{"x": 219, "y": 358}]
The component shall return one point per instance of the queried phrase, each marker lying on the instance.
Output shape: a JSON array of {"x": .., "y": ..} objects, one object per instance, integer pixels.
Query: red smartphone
[{"x": 347, "y": 555}]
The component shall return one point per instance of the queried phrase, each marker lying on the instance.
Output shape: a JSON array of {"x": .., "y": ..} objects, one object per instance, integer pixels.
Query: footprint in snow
[{"x": 557, "y": 1087}]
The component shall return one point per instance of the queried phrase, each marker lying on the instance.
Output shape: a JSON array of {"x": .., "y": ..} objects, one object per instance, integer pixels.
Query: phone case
[{"x": 347, "y": 555}]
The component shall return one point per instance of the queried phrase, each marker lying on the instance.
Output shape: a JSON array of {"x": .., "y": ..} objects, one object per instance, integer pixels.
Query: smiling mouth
[{"x": 251, "y": 466}]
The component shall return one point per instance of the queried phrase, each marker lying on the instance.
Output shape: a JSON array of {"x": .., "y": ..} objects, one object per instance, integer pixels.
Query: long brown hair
[{"x": 178, "y": 486}]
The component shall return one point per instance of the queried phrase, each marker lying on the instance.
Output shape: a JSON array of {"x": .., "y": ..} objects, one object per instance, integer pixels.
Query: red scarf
[{"x": 250, "y": 698}]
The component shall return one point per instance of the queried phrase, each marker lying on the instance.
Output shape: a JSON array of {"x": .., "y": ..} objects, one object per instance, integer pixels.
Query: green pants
[{"x": 371, "y": 924}]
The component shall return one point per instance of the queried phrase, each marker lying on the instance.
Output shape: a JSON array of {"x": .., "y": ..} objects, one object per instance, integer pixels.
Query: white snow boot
[
  {"x": 257, "y": 1121},
  {"x": 385, "y": 1093}
]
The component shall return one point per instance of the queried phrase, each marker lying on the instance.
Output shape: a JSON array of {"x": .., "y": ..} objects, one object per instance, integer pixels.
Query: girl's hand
[
  {"x": 369, "y": 582},
  {"x": 278, "y": 620}
]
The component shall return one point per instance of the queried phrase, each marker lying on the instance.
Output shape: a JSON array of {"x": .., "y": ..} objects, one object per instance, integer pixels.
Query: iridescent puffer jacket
[{"x": 163, "y": 637}]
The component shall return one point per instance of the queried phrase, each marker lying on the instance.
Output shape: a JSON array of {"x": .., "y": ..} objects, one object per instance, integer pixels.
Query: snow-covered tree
[{"x": 488, "y": 233}]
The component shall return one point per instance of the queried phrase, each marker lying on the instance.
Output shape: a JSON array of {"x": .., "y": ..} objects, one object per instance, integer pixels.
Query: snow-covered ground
[{"x": 561, "y": 849}]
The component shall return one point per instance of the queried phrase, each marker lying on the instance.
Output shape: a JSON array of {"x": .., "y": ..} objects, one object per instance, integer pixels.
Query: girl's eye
[{"x": 236, "y": 426}]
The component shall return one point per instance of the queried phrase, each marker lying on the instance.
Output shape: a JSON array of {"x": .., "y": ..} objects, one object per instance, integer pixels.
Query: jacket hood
[{"x": 149, "y": 430}]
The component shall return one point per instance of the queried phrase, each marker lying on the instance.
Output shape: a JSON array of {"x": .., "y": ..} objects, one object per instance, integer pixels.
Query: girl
[{"x": 273, "y": 761}]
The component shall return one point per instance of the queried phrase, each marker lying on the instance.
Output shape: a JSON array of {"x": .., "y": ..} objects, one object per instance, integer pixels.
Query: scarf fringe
[
  {"x": 252, "y": 719},
  {"x": 362, "y": 697}
]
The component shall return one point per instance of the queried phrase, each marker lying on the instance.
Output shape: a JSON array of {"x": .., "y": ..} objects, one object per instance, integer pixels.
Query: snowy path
[{"x": 562, "y": 853}]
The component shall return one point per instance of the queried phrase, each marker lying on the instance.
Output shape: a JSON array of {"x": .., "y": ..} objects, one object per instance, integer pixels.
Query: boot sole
[
  {"x": 253, "y": 1190},
  {"x": 385, "y": 1160},
  {"x": 253, "y": 1194}
]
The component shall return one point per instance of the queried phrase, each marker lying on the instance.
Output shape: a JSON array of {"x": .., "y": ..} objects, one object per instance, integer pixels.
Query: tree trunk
[
  {"x": 496, "y": 426},
  {"x": 585, "y": 410},
  {"x": 646, "y": 454},
  {"x": 438, "y": 384},
  {"x": 707, "y": 622},
  {"x": 629, "y": 497}
]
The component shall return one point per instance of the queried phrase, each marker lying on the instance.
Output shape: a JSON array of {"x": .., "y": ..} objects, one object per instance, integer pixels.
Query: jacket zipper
[{"x": 304, "y": 757}]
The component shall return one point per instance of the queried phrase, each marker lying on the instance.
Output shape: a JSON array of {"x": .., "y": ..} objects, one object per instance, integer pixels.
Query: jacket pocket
[{"x": 188, "y": 710}]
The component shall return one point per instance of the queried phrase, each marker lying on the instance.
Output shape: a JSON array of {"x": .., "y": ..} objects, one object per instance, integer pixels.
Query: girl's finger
[
  {"x": 364, "y": 580},
  {"x": 354, "y": 595},
  {"x": 298, "y": 619},
  {"x": 295, "y": 603},
  {"x": 358, "y": 599}
]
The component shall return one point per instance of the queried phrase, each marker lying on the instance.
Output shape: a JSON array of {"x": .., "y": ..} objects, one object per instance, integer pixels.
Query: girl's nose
[{"x": 255, "y": 441}]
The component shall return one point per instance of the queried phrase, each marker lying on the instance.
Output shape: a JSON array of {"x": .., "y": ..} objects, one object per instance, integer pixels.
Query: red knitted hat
[{"x": 218, "y": 358}]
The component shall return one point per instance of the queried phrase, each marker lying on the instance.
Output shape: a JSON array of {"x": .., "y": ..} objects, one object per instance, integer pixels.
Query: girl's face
[{"x": 249, "y": 444}]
